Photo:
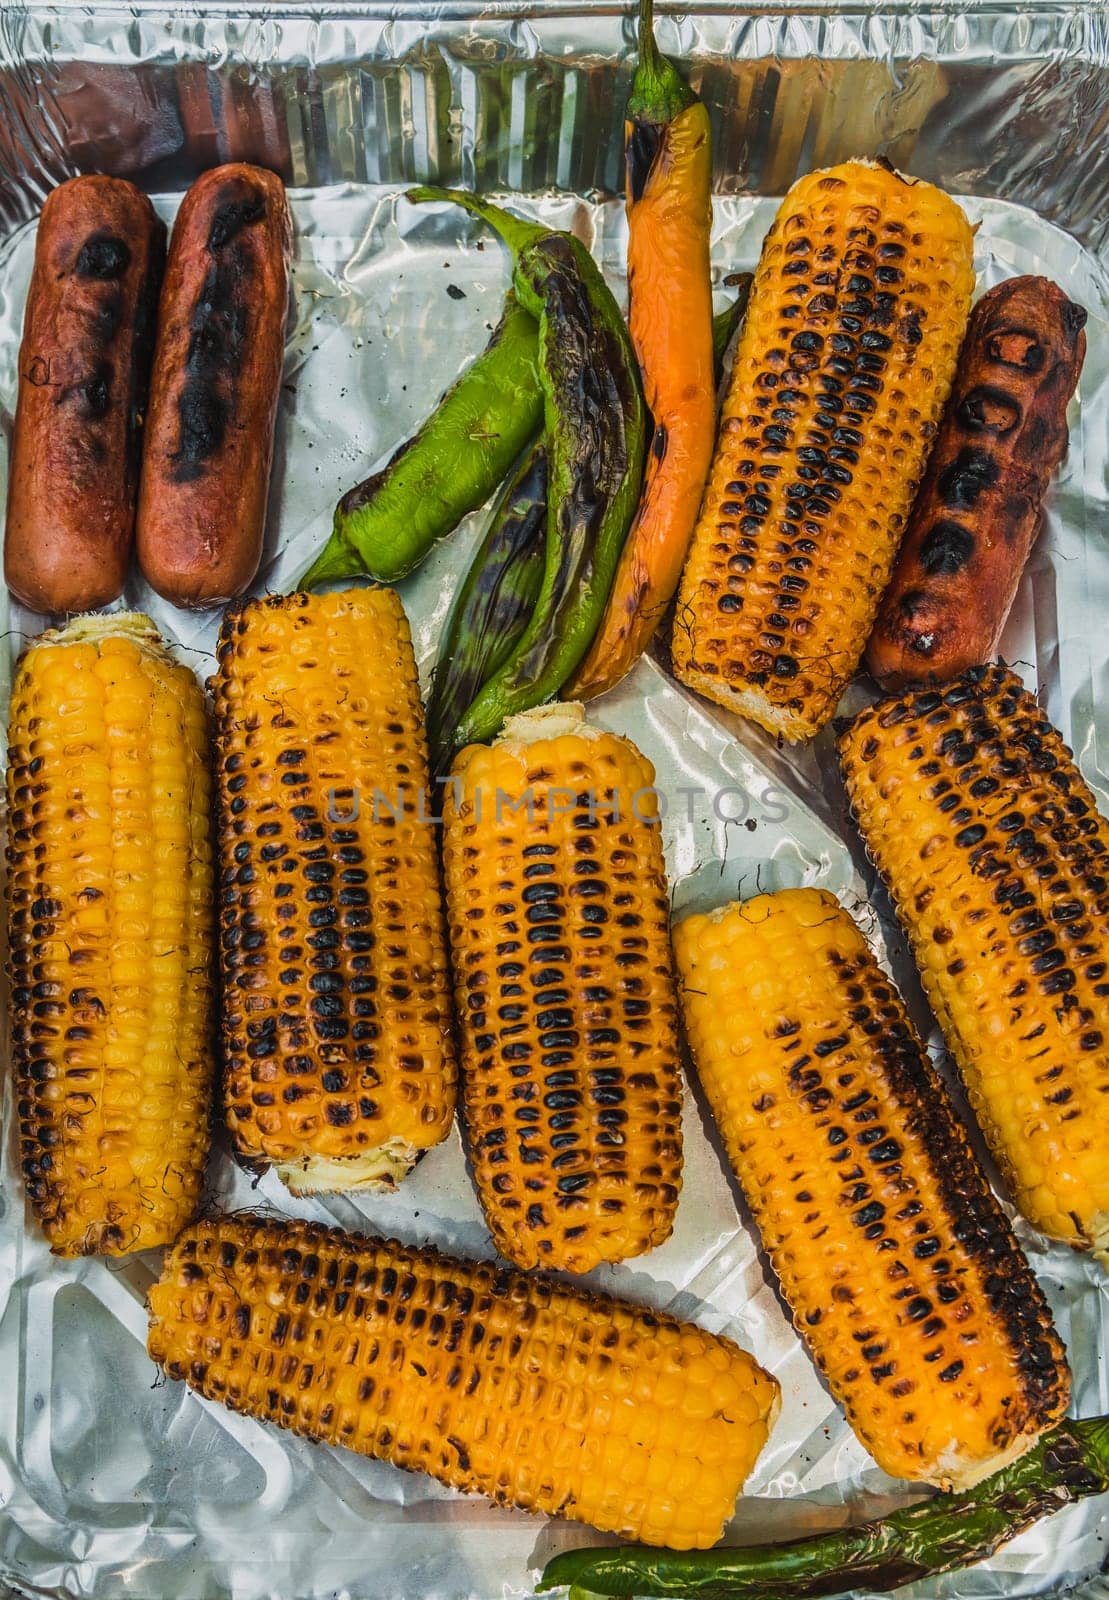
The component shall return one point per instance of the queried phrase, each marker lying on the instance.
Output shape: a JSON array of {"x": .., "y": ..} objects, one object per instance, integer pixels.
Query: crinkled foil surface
[{"x": 112, "y": 1483}]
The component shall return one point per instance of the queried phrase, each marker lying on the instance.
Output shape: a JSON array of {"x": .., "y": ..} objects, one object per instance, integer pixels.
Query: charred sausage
[
  {"x": 978, "y": 512},
  {"x": 88, "y": 333},
  {"x": 215, "y": 387}
]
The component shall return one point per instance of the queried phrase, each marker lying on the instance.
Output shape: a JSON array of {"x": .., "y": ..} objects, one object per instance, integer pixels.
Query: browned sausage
[
  {"x": 215, "y": 387},
  {"x": 977, "y": 515},
  {"x": 88, "y": 333}
]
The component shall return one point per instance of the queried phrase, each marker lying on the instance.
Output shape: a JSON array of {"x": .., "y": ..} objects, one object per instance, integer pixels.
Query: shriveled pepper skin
[
  {"x": 595, "y": 423},
  {"x": 493, "y": 605},
  {"x": 669, "y": 182},
  {"x": 495, "y": 601},
  {"x": 387, "y": 525}
]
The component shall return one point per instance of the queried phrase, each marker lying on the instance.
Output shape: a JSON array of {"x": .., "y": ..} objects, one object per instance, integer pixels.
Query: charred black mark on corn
[
  {"x": 392, "y": 1352},
  {"x": 970, "y": 1214},
  {"x": 1008, "y": 798},
  {"x": 327, "y": 1013},
  {"x": 572, "y": 1116},
  {"x": 843, "y": 368},
  {"x": 883, "y": 1193},
  {"x": 61, "y": 1021}
]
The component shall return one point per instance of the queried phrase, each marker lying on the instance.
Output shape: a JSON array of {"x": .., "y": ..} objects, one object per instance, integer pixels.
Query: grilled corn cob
[
  {"x": 559, "y": 935},
  {"x": 538, "y": 1396},
  {"x": 991, "y": 845},
  {"x": 846, "y": 358},
  {"x": 336, "y": 1018},
  {"x": 904, "y": 1278},
  {"x": 111, "y": 926}
]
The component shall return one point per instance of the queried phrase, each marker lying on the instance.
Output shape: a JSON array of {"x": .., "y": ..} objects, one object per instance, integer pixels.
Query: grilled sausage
[
  {"x": 978, "y": 512},
  {"x": 215, "y": 386},
  {"x": 88, "y": 333}
]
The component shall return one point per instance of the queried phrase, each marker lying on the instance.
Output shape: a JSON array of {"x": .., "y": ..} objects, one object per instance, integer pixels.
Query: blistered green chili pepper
[
  {"x": 595, "y": 424},
  {"x": 938, "y": 1535},
  {"x": 497, "y": 596},
  {"x": 385, "y": 526},
  {"x": 493, "y": 605}
]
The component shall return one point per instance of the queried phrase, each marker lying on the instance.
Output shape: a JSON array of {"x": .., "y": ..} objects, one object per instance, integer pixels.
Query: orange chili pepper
[{"x": 668, "y": 157}]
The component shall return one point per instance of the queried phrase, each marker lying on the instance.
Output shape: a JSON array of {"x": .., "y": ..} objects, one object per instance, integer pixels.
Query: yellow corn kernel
[
  {"x": 990, "y": 842},
  {"x": 844, "y": 365},
  {"x": 111, "y": 927},
  {"x": 336, "y": 1017},
  {"x": 492, "y": 1382},
  {"x": 556, "y": 892},
  {"x": 902, "y": 1273}
]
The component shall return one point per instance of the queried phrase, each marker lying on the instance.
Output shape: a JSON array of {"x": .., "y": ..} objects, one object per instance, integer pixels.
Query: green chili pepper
[
  {"x": 938, "y": 1535},
  {"x": 726, "y": 322},
  {"x": 595, "y": 426},
  {"x": 493, "y": 604},
  {"x": 388, "y": 524},
  {"x": 497, "y": 596}
]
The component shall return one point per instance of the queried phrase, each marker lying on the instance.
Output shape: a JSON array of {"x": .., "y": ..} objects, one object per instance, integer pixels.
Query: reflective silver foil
[{"x": 112, "y": 1483}]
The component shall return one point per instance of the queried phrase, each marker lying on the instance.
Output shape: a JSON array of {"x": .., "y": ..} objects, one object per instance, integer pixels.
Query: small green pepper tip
[
  {"x": 424, "y": 192},
  {"x": 336, "y": 560}
]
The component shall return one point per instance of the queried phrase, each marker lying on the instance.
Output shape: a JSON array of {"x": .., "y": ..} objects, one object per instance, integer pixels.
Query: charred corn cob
[
  {"x": 556, "y": 892},
  {"x": 990, "y": 842},
  {"x": 903, "y": 1275},
  {"x": 540, "y": 1397},
  {"x": 846, "y": 358},
  {"x": 111, "y": 928},
  {"x": 336, "y": 1017}
]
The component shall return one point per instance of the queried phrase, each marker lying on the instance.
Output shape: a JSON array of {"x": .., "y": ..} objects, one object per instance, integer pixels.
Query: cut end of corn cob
[
  {"x": 110, "y": 932},
  {"x": 90, "y": 627},
  {"x": 904, "y": 1278},
  {"x": 337, "y": 1026},
  {"x": 844, "y": 365},
  {"x": 377, "y": 1172},
  {"x": 555, "y": 720},
  {"x": 990, "y": 843},
  {"x": 559, "y": 915},
  {"x": 538, "y": 1396}
]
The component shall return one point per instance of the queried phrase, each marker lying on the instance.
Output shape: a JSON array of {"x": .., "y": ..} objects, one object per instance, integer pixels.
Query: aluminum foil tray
[{"x": 114, "y": 1484}]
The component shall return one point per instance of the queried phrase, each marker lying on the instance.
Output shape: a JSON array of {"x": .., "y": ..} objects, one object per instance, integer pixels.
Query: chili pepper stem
[
  {"x": 658, "y": 91},
  {"x": 516, "y": 232},
  {"x": 651, "y": 64}
]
